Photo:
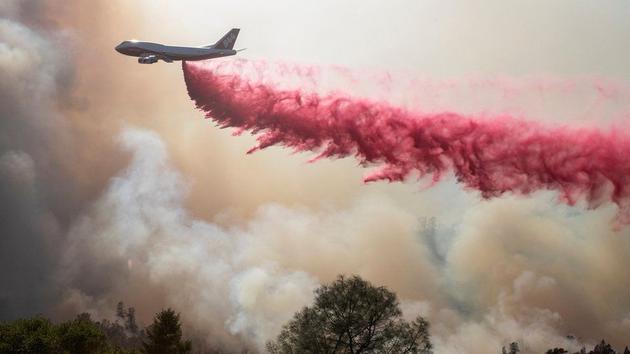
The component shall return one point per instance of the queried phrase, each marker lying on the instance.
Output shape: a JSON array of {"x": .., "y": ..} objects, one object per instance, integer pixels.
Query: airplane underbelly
[
  {"x": 178, "y": 56},
  {"x": 192, "y": 56}
]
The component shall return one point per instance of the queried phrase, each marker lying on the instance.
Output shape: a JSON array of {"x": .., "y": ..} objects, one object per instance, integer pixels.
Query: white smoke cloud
[
  {"x": 503, "y": 278},
  {"x": 202, "y": 268}
]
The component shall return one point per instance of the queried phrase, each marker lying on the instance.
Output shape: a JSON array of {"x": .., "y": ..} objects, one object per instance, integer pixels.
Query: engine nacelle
[{"x": 148, "y": 59}]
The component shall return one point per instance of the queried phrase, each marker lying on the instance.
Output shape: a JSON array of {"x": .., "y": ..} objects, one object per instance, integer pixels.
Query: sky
[{"x": 114, "y": 187}]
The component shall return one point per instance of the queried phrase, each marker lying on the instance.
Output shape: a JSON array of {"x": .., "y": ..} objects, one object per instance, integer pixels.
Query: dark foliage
[
  {"x": 128, "y": 336},
  {"x": 164, "y": 336},
  {"x": 39, "y": 335},
  {"x": 80, "y": 335},
  {"x": 32, "y": 335},
  {"x": 352, "y": 316},
  {"x": 513, "y": 349},
  {"x": 556, "y": 351},
  {"x": 601, "y": 348}
]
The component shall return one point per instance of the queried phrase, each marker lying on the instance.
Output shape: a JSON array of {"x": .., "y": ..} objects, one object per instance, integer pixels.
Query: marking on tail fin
[{"x": 227, "y": 42}]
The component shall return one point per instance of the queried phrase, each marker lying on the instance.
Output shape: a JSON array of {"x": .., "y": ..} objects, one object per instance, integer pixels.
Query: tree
[
  {"x": 123, "y": 334},
  {"x": 81, "y": 335},
  {"x": 130, "y": 323},
  {"x": 602, "y": 348},
  {"x": 556, "y": 351},
  {"x": 39, "y": 335},
  {"x": 514, "y": 349},
  {"x": 352, "y": 316},
  {"x": 120, "y": 310},
  {"x": 164, "y": 336},
  {"x": 33, "y": 335}
]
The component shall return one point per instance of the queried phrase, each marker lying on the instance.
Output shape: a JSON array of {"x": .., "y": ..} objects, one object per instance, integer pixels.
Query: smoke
[
  {"x": 236, "y": 280},
  {"x": 34, "y": 80},
  {"x": 170, "y": 212},
  {"x": 513, "y": 270},
  {"x": 492, "y": 155}
]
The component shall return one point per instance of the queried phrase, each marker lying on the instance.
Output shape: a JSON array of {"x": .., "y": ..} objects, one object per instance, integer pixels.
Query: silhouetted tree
[
  {"x": 556, "y": 351},
  {"x": 39, "y": 335},
  {"x": 120, "y": 310},
  {"x": 352, "y": 316},
  {"x": 33, "y": 335},
  {"x": 602, "y": 348},
  {"x": 124, "y": 333},
  {"x": 164, "y": 336},
  {"x": 114, "y": 332},
  {"x": 81, "y": 335},
  {"x": 514, "y": 349},
  {"x": 120, "y": 339},
  {"x": 130, "y": 323}
]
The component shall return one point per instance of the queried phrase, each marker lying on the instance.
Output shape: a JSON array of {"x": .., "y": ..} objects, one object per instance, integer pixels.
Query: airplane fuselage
[
  {"x": 166, "y": 52},
  {"x": 149, "y": 53}
]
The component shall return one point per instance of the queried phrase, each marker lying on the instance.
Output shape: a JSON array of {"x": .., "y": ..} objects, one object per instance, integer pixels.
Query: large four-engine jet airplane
[{"x": 149, "y": 53}]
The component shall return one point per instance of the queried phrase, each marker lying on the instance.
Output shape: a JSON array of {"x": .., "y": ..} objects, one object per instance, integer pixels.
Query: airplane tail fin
[{"x": 227, "y": 41}]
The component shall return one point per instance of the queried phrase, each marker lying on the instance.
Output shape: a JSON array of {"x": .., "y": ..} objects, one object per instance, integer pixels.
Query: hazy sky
[
  {"x": 114, "y": 187},
  {"x": 433, "y": 38}
]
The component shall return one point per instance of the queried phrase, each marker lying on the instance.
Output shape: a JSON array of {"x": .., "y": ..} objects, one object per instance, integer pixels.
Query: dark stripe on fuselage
[{"x": 173, "y": 52}]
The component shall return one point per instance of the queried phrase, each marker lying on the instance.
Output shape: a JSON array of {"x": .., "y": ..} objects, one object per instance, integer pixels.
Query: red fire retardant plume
[{"x": 493, "y": 156}]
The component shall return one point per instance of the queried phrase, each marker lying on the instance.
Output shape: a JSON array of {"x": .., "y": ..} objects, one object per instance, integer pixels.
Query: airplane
[{"x": 149, "y": 53}]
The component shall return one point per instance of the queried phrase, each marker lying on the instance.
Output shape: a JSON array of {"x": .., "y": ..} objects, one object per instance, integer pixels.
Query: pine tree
[
  {"x": 164, "y": 336},
  {"x": 556, "y": 351},
  {"x": 602, "y": 348},
  {"x": 120, "y": 310},
  {"x": 130, "y": 323}
]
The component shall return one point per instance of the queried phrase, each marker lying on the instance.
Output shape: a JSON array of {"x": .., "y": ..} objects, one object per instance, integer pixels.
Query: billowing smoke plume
[
  {"x": 34, "y": 80},
  {"x": 170, "y": 213},
  {"x": 498, "y": 278},
  {"x": 492, "y": 155}
]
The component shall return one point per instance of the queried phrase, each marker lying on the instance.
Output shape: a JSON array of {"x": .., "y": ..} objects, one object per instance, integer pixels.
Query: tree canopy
[
  {"x": 352, "y": 316},
  {"x": 39, "y": 335},
  {"x": 164, "y": 336}
]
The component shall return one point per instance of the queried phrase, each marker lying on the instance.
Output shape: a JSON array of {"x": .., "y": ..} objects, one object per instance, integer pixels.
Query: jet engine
[{"x": 150, "y": 59}]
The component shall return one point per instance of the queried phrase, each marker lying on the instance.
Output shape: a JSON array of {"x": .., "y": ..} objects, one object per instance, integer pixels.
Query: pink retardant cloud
[{"x": 493, "y": 155}]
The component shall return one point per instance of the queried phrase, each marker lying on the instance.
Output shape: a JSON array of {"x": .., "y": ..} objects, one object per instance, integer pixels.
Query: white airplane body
[{"x": 149, "y": 53}]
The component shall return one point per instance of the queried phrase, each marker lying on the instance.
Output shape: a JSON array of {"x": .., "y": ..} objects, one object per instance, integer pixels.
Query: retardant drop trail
[{"x": 494, "y": 156}]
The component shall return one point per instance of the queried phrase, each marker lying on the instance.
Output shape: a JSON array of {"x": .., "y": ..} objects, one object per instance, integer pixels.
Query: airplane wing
[
  {"x": 166, "y": 59},
  {"x": 150, "y": 58}
]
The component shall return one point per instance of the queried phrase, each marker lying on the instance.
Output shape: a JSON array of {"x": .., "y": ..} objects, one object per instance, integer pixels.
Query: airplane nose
[{"x": 118, "y": 48}]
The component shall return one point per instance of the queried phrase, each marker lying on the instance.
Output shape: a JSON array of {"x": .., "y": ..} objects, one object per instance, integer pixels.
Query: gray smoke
[
  {"x": 175, "y": 215},
  {"x": 511, "y": 269},
  {"x": 138, "y": 232},
  {"x": 34, "y": 192}
]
